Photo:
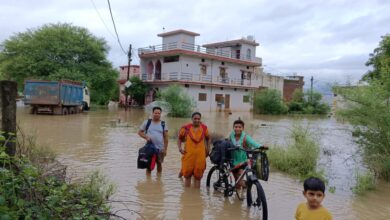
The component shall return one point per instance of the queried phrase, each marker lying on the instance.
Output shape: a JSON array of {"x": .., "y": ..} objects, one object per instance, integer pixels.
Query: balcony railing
[
  {"x": 197, "y": 48},
  {"x": 197, "y": 78}
]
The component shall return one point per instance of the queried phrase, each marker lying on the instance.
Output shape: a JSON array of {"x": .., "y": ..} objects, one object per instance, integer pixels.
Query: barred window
[{"x": 202, "y": 97}]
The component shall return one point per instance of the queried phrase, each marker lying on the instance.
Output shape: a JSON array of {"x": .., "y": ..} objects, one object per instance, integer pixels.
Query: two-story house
[{"x": 218, "y": 76}]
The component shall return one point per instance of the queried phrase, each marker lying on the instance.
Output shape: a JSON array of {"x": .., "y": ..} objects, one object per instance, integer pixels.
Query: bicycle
[{"x": 225, "y": 183}]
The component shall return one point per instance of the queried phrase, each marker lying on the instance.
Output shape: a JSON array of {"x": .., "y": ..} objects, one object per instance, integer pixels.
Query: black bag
[
  {"x": 219, "y": 154},
  {"x": 145, "y": 155}
]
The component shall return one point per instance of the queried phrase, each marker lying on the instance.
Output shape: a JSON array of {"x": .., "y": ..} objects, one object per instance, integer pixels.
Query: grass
[
  {"x": 364, "y": 182},
  {"x": 300, "y": 157}
]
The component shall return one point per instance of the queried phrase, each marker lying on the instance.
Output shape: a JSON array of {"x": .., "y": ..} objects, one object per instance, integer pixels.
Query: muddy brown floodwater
[{"x": 97, "y": 141}]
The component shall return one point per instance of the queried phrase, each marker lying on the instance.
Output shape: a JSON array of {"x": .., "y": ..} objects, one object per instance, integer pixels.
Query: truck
[{"x": 56, "y": 97}]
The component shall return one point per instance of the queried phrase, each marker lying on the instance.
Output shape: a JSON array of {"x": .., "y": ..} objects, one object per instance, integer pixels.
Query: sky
[{"x": 330, "y": 40}]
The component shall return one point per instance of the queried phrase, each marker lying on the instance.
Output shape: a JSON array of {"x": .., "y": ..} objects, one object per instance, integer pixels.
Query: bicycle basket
[{"x": 262, "y": 167}]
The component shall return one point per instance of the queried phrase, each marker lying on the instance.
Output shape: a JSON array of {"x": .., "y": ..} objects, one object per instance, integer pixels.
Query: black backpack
[
  {"x": 145, "y": 155},
  {"x": 219, "y": 154}
]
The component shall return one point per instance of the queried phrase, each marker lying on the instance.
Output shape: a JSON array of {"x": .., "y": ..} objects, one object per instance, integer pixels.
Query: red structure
[
  {"x": 290, "y": 84},
  {"x": 134, "y": 71}
]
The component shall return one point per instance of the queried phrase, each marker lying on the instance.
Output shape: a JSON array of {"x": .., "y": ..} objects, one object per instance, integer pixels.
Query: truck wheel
[
  {"x": 71, "y": 111},
  {"x": 85, "y": 106},
  {"x": 64, "y": 111}
]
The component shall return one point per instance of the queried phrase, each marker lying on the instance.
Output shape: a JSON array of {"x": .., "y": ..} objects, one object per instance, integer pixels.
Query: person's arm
[
  {"x": 165, "y": 142},
  {"x": 141, "y": 131},
  {"x": 179, "y": 138},
  {"x": 142, "y": 134},
  {"x": 207, "y": 138},
  {"x": 252, "y": 143}
]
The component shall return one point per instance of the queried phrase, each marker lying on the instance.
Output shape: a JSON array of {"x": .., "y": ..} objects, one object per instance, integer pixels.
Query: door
[{"x": 227, "y": 101}]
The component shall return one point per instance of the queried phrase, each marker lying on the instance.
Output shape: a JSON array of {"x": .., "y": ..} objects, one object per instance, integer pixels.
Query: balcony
[
  {"x": 196, "y": 78},
  {"x": 198, "y": 49}
]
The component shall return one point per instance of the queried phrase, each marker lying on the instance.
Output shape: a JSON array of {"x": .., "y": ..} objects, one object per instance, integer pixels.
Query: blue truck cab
[{"x": 56, "y": 97}]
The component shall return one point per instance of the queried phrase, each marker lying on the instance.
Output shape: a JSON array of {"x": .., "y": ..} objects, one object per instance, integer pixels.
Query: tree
[
  {"x": 368, "y": 109},
  {"x": 137, "y": 90},
  {"x": 60, "y": 51},
  {"x": 380, "y": 61},
  {"x": 269, "y": 101},
  {"x": 181, "y": 104}
]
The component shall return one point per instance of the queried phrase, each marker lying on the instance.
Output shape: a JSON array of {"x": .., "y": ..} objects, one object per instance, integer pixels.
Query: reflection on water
[{"x": 98, "y": 140}]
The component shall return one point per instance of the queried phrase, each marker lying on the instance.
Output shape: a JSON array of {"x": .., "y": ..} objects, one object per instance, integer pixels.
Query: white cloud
[{"x": 328, "y": 39}]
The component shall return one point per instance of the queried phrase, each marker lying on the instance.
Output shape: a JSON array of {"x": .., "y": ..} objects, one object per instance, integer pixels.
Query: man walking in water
[{"x": 156, "y": 131}]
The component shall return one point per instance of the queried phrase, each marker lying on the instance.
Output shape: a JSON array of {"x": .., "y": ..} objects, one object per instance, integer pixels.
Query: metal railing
[
  {"x": 197, "y": 48},
  {"x": 199, "y": 78}
]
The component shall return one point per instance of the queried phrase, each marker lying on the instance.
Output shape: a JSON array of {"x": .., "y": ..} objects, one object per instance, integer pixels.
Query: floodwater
[{"x": 97, "y": 141}]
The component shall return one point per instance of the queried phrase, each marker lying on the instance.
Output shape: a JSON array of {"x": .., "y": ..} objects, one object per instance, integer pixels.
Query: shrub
[
  {"x": 27, "y": 192},
  {"x": 364, "y": 182},
  {"x": 180, "y": 102},
  {"x": 300, "y": 157},
  {"x": 269, "y": 101}
]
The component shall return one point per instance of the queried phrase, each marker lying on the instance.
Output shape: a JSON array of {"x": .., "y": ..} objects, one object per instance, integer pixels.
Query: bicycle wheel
[
  {"x": 218, "y": 181},
  {"x": 256, "y": 197},
  {"x": 213, "y": 179}
]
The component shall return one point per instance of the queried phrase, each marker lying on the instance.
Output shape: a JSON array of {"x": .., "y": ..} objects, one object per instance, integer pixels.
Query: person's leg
[
  {"x": 148, "y": 172},
  {"x": 196, "y": 183},
  {"x": 187, "y": 182},
  {"x": 237, "y": 174},
  {"x": 160, "y": 160},
  {"x": 159, "y": 167}
]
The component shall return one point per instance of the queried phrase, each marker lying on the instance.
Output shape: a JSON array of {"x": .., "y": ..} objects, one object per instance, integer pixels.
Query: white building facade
[{"x": 218, "y": 76}]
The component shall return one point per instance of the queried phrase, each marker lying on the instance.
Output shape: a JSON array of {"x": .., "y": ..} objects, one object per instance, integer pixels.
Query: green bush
[
  {"x": 364, "y": 182},
  {"x": 26, "y": 192},
  {"x": 269, "y": 101},
  {"x": 181, "y": 104},
  {"x": 300, "y": 157},
  {"x": 307, "y": 103}
]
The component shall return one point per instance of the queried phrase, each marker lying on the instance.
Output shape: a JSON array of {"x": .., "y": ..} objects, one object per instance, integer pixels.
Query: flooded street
[{"x": 97, "y": 141}]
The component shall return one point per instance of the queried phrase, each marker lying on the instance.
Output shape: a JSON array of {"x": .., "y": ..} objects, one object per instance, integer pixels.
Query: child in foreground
[{"x": 314, "y": 192}]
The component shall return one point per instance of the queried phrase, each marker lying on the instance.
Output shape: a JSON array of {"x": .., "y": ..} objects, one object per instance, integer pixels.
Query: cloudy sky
[{"x": 330, "y": 40}]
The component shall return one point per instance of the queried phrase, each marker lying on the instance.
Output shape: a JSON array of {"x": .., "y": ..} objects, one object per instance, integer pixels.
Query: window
[
  {"x": 171, "y": 59},
  {"x": 249, "y": 54},
  {"x": 245, "y": 99},
  {"x": 187, "y": 85},
  {"x": 219, "y": 98},
  {"x": 203, "y": 69},
  {"x": 202, "y": 97},
  {"x": 202, "y": 86}
]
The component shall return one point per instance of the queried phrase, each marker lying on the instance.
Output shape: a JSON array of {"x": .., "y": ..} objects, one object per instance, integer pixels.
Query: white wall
[
  {"x": 236, "y": 97},
  {"x": 178, "y": 38}
]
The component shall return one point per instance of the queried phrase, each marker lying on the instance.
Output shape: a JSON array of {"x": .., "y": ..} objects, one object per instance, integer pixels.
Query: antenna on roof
[{"x": 163, "y": 29}]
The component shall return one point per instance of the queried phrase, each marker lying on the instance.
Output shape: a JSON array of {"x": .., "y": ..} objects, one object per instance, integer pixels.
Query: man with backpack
[{"x": 155, "y": 131}]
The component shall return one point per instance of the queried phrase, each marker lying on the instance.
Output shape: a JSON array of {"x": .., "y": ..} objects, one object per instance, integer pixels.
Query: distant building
[
  {"x": 218, "y": 76},
  {"x": 290, "y": 84},
  {"x": 269, "y": 81},
  {"x": 134, "y": 71}
]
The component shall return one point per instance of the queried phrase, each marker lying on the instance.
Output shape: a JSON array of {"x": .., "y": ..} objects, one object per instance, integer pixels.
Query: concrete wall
[
  {"x": 236, "y": 98},
  {"x": 178, "y": 38}
]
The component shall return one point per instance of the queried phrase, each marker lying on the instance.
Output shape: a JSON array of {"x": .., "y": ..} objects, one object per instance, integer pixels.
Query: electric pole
[
  {"x": 311, "y": 90},
  {"x": 128, "y": 77}
]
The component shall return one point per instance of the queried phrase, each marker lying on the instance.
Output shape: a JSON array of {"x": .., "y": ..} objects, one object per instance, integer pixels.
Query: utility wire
[
  {"x": 116, "y": 32},
  {"x": 101, "y": 18}
]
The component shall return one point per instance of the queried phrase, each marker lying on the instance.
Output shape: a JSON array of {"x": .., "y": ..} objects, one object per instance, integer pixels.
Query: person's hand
[
  {"x": 148, "y": 139},
  {"x": 182, "y": 151}
]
